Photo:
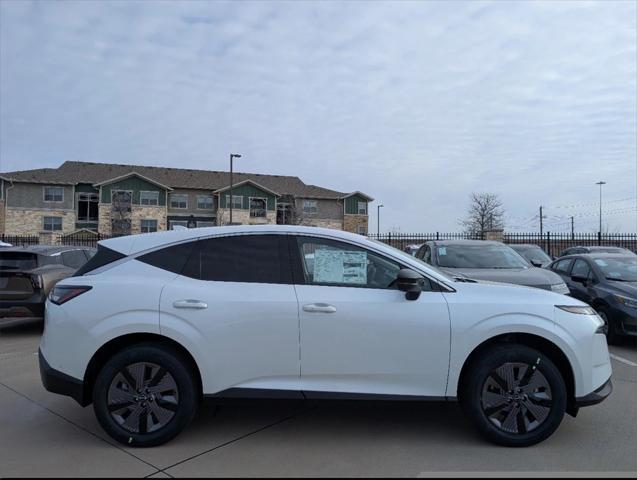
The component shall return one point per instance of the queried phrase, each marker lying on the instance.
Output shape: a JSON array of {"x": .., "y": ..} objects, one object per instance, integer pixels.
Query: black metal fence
[
  {"x": 79, "y": 239},
  {"x": 20, "y": 239},
  {"x": 552, "y": 243}
]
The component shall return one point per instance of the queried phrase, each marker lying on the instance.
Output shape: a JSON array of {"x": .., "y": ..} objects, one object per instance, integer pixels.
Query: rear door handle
[
  {"x": 319, "y": 308},
  {"x": 190, "y": 303}
]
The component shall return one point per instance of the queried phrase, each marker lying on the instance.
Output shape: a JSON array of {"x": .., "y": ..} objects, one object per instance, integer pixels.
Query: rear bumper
[
  {"x": 61, "y": 383},
  {"x": 18, "y": 311},
  {"x": 595, "y": 397}
]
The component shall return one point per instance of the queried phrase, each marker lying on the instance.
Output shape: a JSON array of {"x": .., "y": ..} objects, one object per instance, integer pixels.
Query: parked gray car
[
  {"x": 490, "y": 261},
  {"x": 27, "y": 274},
  {"x": 534, "y": 254}
]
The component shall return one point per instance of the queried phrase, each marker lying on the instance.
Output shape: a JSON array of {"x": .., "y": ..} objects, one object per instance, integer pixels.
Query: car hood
[
  {"x": 627, "y": 288},
  {"x": 531, "y": 277}
]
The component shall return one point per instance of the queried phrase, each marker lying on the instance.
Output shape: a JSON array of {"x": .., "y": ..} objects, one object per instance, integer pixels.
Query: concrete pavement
[{"x": 42, "y": 434}]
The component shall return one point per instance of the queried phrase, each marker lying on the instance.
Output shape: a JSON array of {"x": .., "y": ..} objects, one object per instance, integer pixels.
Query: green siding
[
  {"x": 351, "y": 204},
  {"x": 135, "y": 184},
  {"x": 85, "y": 188},
  {"x": 248, "y": 191}
]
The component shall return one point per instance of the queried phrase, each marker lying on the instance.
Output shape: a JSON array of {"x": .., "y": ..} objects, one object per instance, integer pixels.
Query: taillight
[{"x": 64, "y": 293}]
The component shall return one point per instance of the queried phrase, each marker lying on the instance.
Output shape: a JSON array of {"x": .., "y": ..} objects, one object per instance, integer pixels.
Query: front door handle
[
  {"x": 190, "y": 303},
  {"x": 319, "y": 308}
]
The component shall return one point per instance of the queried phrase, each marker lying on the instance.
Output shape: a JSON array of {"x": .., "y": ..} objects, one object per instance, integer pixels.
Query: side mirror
[
  {"x": 409, "y": 282},
  {"x": 580, "y": 279}
]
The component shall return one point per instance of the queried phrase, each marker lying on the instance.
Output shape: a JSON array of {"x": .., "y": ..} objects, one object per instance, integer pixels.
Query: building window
[
  {"x": 52, "y": 224},
  {"x": 178, "y": 200},
  {"x": 149, "y": 226},
  {"x": 204, "y": 202},
  {"x": 258, "y": 207},
  {"x": 362, "y": 208},
  {"x": 53, "y": 194},
  {"x": 149, "y": 198},
  {"x": 362, "y": 230},
  {"x": 121, "y": 201},
  {"x": 87, "y": 207},
  {"x": 205, "y": 224},
  {"x": 178, "y": 223},
  {"x": 310, "y": 207},
  {"x": 237, "y": 201}
]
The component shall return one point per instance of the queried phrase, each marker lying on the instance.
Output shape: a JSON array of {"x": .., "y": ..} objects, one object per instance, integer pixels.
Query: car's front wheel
[
  {"x": 515, "y": 395},
  {"x": 145, "y": 395}
]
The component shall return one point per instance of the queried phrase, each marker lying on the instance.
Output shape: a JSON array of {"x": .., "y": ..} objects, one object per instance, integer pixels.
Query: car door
[
  {"x": 359, "y": 334},
  {"x": 582, "y": 291},
  {"x": 235, "y": 303}
]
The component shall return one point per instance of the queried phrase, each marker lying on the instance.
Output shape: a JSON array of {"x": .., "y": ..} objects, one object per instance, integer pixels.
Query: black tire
[
  {"x": 508, "y": 419},
  {"x": 612, "y": 337},
  {"x": 155, "y": 413}
]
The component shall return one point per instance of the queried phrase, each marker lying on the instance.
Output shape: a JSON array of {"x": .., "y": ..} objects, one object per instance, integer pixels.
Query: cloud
[{"x": 415, "y": 103}]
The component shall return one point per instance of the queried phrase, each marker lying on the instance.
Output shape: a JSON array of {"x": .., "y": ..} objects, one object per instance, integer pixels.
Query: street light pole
[
  {"x": 600, "y": 183},
  {"x": 378, "y": 220},
  {"x": 232, "y": 155}
]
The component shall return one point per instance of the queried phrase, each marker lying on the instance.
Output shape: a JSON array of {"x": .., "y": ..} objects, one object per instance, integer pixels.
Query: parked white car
[{"x": 154, "y": 322}]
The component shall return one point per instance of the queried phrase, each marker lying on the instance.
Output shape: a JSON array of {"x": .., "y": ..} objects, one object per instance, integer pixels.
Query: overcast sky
[{"x": 416, "y": 104}]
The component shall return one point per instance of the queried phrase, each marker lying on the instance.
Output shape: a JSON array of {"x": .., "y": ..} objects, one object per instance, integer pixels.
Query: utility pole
[
  {"x": 572, "y": 228},
  {"x": 378, "y": 221},
  {"x": 541, "y": 217},
  {"x": 600, "y": 183},
  {"x": 232, "y": 155}
]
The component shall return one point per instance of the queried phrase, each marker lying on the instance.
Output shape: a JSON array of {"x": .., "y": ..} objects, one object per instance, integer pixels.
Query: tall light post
[
  {"x": 232, "y": 156},
  {"x": 378, "y": 220},
  {"x": 600, "y": 205}
]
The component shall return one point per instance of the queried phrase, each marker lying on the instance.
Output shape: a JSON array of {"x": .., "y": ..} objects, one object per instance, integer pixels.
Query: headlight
[
  {"x": 629, "y": 302},
  {"x": 580, "y": 310},
  {"x": 560, "y": 288}
]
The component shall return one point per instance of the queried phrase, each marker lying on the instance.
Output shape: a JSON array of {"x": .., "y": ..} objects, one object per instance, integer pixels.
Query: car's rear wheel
[
  {"x": 515, "y": 395},
  {"x": 145, "y": 395}
]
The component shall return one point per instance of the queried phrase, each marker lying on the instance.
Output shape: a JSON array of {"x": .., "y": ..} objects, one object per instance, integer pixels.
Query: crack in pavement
[{"x": 80, "y": 427}]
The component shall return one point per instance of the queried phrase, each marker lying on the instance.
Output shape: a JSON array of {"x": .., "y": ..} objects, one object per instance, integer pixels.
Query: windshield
[
  {"x": 620, "y": 269},
  {"x": 479, "y": 256},
  {"x": 18, "y": 261},
  {"x": 533, "y": 254},
  {"x": 400, "y": 253}
]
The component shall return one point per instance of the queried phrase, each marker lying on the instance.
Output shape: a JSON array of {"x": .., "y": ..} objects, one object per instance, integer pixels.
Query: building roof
[{"x": 72, "y": 172}]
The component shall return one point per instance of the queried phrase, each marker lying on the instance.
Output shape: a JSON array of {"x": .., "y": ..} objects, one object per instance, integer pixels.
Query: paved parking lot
[{"x": 42, "y": 434}]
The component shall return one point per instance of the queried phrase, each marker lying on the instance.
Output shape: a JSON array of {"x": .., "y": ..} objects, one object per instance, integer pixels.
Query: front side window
[
  {"x": 562, "y": 266},
  {"x": 362, "y": 208},
  {"x": 149, "y": 198},
  {"x": 330, "y": 262},
  {"x": 87, "y": 207},
  {"x": 582, "y": 269},
  {"x": 241, "y": 258},
  {"x": 310, "y": 207},
  {"x": 52, "y": 224},
  {"x": 149, "y": 226},
  {"x": 53, "y": 194},
  {"x": 178, "y": 200},
  {"x": 204, "y": 202},
  {"x": 258, "y": 207},
  {"x": 237, "y": 201}
]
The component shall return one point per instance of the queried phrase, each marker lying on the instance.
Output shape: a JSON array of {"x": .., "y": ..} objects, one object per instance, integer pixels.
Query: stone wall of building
[
  {"x": 104, "y": 219},
  {"x": 243, "y": 217},
  {"x": 1, "y": 217},
  {"x": 322, "y": 222},
  {"x": 31, "y": 222},
  {"x": 352, "y": 222},
  {"x": 145, "y": 212}
]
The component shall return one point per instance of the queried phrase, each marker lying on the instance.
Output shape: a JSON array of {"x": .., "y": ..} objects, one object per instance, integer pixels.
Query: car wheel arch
[
  {"x": 118, "y": 343},
  {"x": 543, "y": 345}
]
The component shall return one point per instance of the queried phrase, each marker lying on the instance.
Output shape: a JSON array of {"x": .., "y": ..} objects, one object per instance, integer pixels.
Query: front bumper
[
  {"x": 595, "y": 397},
  {"x": 61, "y": 383}
]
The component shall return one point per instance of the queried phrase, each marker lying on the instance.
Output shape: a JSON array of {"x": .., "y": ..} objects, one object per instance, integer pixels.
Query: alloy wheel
[
  {"x": 516, "y": 398},
  {"x": 143, "y": 397}
]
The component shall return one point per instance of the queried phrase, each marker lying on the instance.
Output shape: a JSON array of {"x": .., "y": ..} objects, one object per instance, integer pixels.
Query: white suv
[{"x": 154, "y": 322}]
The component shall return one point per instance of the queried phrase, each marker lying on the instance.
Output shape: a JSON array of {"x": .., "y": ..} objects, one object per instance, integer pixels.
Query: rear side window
[
  {"x": 241, "y": 258},
  {"x": 171, "y": 258},
  {"x": 74, "y": 258},
  {"x": 18, "y": 261},
  {"x": 104, "y": 256}
]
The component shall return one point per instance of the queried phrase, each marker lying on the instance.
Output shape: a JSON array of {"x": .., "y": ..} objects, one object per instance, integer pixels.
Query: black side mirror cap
[{"x": 409, "y": 282}]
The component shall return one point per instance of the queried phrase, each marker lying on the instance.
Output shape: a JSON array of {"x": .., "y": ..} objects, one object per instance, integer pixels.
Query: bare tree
[{"x": 485, "y": 213}]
